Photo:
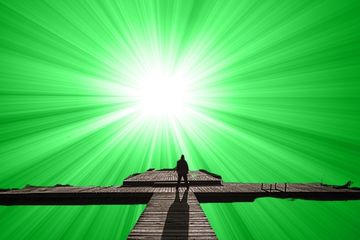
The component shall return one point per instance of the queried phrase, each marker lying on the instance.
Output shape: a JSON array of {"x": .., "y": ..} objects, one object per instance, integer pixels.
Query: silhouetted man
[{"x": 182, "y": 169}]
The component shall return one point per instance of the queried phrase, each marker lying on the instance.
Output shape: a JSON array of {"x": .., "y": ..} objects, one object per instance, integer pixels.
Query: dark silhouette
[
  {"x": 182, "y": 169},
  {"x": 177, "y": 219}
]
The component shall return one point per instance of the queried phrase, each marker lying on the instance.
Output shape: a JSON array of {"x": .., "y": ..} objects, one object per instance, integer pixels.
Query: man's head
[{"x": 182, "y": 157}]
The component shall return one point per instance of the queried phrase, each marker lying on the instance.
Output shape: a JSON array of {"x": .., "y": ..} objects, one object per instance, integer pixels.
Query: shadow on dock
[{"x": 177, "y": 219}]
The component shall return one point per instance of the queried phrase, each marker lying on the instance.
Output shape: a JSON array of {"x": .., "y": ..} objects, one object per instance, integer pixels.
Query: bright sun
[
  {"x": 155, "y": 87},
  {"x": 162, "y": 94}
]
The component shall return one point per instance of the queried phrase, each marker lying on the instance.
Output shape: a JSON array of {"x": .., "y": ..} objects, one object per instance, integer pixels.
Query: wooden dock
[
  {"x": 163, "y": 178},
  {"x": 139, "y": 188},
  {"x": 173, "y": 212}
]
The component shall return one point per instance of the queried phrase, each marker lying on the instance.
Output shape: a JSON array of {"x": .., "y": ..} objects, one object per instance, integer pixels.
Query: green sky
[{"x": 256, "y": 91}]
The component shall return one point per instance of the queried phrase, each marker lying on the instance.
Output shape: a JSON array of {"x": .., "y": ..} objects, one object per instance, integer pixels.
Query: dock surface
[
  {"x": 139, "y": 188},
  {"x": 171, "y": 212}
]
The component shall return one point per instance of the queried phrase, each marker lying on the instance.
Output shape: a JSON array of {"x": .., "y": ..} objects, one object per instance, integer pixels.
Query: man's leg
[
  {"x": 179, "y": 180},
  {"x": 186, "y": 180}
]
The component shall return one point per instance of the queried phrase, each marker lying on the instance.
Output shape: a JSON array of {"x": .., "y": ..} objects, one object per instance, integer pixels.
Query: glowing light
[{"x": 162, "y": 94}]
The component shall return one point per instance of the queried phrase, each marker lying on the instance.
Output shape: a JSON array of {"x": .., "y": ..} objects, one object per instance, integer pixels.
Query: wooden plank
[
  {"x": 133, "y": 194},
  {"x": 236, "y": 192},
  {"x": 172, "y": 212},
  {"x": 228, "y": 192},
  {"x": 173, "y": 215},
  {"x": 169, "y": 177}
]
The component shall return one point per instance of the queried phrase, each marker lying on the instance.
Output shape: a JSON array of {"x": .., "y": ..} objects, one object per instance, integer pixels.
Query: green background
[{"x": 277, "y": 98}]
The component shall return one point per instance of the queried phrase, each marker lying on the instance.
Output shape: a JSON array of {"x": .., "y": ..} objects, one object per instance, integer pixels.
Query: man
[{"x": 182, "y": 169}]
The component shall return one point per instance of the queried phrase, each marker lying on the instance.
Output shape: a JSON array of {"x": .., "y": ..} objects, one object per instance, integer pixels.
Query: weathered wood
[
  {"x": 227, "y": 192},
  {"x": 235, "y": 192},
  {"x": 175, "y": 215},
  {"x": 168, "y": 178}
]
